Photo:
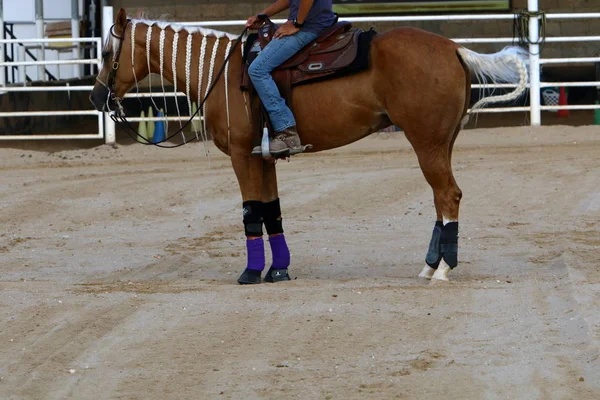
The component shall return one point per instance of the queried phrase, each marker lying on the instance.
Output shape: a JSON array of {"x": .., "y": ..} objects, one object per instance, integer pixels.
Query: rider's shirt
[{"x": 319, "y": 17}]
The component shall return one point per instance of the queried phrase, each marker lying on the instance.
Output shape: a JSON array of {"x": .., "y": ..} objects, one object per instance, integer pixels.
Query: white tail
[{"x": 506, "y": 66}]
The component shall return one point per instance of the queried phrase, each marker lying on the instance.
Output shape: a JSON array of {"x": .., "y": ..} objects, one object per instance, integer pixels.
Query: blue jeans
[{"x": 273, "y": 55}]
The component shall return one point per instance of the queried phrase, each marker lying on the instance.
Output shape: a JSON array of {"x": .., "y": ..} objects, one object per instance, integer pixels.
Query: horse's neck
[
  {"x": 198, "y": 58},
  {"x": 191, "y": 60}
]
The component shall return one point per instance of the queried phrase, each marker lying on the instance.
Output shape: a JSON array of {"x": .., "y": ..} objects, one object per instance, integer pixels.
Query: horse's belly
[{"x": 338, "y": 112}]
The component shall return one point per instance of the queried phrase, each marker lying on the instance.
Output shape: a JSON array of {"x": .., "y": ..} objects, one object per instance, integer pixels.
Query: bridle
[
  {"x": 110, "y": 82},
  {"x": 119, "y": 114}
]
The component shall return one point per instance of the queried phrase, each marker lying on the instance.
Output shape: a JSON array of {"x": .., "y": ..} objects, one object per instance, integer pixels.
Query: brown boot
[{"x": 286, "y": 143}]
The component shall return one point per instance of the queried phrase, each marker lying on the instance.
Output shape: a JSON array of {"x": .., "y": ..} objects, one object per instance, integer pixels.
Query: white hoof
[
  {"x": 427, "y": 272},
  {"x": 441, "y": 273}
]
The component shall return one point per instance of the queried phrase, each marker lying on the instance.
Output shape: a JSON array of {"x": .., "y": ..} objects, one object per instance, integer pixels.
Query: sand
[{"x": 118, "y": 271}]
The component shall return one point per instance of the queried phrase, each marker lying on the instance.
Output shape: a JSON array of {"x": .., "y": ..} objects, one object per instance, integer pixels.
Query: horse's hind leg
[{"x": 434, "y": 155}]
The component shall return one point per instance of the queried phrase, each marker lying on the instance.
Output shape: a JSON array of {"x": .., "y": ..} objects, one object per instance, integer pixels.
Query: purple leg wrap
[
  {"x": 280, "y": 251},
  {"x": 256, "y": 254}
]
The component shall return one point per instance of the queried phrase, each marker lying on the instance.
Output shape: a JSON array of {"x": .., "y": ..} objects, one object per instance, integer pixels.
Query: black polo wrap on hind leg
[
  {"x": 272, "y": 217},
  {"x": 434, "y": 256},
  {"x": 449, "y": 244},
  {"x": 253, "y": 218},
  {"x": 443, "y": 244}
]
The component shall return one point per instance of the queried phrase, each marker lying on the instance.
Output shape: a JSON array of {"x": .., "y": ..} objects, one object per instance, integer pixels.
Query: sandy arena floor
[{"x": 119, "y": 267}]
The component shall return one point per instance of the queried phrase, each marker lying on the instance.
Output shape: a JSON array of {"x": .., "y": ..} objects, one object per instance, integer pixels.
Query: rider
[{"x": 307, "y": 19}]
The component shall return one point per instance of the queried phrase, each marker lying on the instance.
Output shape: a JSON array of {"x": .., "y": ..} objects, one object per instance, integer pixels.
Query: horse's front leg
[
  {"x": 273, "y": 223},
  {"x": 249, "y": 173}
]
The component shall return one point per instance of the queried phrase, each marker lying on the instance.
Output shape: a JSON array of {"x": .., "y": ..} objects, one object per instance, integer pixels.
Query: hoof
[
  {"x": 427, "y": 272},
  {"x": 441, "y": 274},
  {"x": 249, "y": 277},
  {"x": 277, "y": 275}
]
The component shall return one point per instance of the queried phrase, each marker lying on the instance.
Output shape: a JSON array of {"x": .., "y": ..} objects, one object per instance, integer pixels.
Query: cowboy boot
[{"x": 286, "y": 143}]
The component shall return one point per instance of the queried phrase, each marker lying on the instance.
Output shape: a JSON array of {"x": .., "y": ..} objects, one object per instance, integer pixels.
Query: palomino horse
[{"x": 416, "y": 80}]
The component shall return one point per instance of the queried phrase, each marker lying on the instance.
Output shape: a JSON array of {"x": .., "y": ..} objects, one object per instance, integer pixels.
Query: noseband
[{"x": 110, "y": 82}]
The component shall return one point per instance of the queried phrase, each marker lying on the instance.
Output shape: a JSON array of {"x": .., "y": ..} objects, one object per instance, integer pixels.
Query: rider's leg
[{"x": 274, "y": 54}]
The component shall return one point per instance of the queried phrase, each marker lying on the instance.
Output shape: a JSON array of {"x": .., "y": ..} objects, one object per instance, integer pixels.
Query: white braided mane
[
  {"x": 194, "y": 34},
  {"x": 190, "y": 29}
]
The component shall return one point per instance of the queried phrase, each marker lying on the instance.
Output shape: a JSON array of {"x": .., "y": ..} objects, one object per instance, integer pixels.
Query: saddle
[{"x": 339, "y": 50}]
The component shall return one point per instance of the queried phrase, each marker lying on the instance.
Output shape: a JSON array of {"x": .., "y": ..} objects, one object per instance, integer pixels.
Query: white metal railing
[
  {"x": 535, "y": 61},
  {"x": 21, "y": 63}
]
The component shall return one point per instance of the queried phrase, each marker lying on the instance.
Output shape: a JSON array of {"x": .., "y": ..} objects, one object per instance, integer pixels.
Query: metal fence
[{"x": 21, "y": 62}]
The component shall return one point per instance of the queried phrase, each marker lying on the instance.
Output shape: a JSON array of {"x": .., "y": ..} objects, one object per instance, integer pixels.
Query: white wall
[
  {"x": 24, "y": 10},
  {"x": 22, "y": 13}
]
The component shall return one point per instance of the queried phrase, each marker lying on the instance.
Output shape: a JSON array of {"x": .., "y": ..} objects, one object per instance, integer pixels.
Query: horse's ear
[{"x": 121, "y": 20}]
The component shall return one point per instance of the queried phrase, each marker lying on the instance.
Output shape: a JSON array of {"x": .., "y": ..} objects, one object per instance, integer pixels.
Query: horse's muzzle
[{"x": 99, "y": 97}]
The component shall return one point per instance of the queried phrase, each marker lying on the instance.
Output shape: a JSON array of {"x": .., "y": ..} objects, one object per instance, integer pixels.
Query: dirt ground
[{"x": 119, "y": 265}]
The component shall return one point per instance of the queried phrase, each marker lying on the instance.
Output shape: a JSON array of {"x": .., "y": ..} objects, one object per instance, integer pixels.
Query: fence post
[
  {"x": 2, "y": 59},
  {"x": 597, "y": 64},
  {"x": 75, "y": 35},
  {"x": 110, "y": 135},
  {"x": 109, "y": 125},
  {"x": 39, "y": 25},
  {"x": 107, "y": 20},
  {"x": 21, "y": 68},
  {"x": 534, "y": 64}
]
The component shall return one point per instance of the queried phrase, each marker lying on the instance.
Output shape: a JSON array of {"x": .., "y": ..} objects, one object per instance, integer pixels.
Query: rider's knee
[{"x": 255, "y": 71}]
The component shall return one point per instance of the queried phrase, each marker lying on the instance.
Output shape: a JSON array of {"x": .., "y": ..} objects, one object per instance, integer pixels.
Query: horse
[{"x": 416, "y": 80}]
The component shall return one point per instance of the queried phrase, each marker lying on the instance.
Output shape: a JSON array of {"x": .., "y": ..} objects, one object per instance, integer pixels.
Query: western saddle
[{"x": 339, "y": 50}]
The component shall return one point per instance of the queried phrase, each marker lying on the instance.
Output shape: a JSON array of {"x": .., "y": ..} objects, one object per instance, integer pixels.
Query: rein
[{"x": 120, "y": 117}]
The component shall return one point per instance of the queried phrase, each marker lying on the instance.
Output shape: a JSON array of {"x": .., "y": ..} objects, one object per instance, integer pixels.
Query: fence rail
[{"x": 81, "y": 88}]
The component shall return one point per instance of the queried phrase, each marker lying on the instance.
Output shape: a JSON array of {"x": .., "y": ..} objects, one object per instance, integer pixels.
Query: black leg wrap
[
  {"x": 434, "y": 255},
  {"x": 449, "y": 244},
  {"x": 443, "y": 244},
  {"x": 253, "y": 217},
  {"x": 272, "y": 217}
]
